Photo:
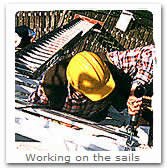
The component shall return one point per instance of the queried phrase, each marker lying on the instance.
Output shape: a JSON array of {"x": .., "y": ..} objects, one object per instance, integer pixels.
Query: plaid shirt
[
  {"x": 138, "y": 63},
  {"x": 77, "y": 103}
]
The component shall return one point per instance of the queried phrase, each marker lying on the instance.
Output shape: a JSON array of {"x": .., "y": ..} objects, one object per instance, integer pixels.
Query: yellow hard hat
[{"x": 88, "y": 74}]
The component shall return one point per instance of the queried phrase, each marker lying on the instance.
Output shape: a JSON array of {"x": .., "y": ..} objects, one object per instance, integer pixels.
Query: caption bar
[{"x": 91, "y": 158}]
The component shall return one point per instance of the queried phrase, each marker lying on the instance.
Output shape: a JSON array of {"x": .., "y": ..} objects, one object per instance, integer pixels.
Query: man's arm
[
  {"x": 52, "y": 86},
  {"x": 138, "y": 63},
  {"x": 38, "y": 95},
  {"x": 143, "y": 77}
]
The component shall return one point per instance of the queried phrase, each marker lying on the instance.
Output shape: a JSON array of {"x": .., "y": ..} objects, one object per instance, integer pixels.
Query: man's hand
[
  {"x": 42, "y": 95},
  {"x": 38, "y": 96},
  {"x": 134, "y": 104}
]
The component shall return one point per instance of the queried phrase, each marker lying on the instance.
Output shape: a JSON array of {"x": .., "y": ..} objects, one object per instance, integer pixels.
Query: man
[
  {"x": 87, "y": 86},
  {"x": 24, "y": 36}
]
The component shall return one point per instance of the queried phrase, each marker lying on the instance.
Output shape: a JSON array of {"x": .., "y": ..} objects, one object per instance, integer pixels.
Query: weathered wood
[
  {"x": 32, "y": 26},
  {"x": 122, "y": 41},
  {"x": 45, "y": 21}
]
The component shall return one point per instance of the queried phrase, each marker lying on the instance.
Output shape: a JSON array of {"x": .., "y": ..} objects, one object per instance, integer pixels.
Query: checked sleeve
[{"x": 138, "y": 63}]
